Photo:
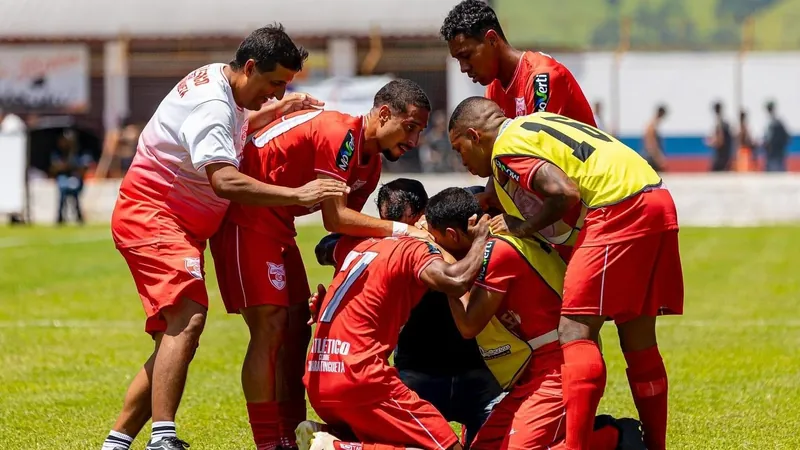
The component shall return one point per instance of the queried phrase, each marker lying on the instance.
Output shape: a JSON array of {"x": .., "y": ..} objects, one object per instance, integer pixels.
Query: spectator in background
[
  {"x": 653, "y": 144},
  {"x": 436, "y": 155},
  {"x": 721, "y": 141},
  {"x": 776, "y": 141},
  {"x": 118, "y": 150},
  {"x": 68, "y": 167},
  {"x": 745, "y": 157},
  {"x": 598, "y": 116}
]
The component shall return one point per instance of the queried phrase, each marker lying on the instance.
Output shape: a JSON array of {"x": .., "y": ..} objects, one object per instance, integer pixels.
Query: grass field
[{"x": 71, "y": 337}]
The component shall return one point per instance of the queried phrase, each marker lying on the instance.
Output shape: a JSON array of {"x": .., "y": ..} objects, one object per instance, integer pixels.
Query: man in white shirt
[{"x": 173, "y": 199}]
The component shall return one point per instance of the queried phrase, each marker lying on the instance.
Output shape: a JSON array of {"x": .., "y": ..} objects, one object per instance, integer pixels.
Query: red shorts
[
  {"x": 165, "y": 272},
  {"x": 253, "y": 269},
  {"x": 531, "y": 416},
  {"x": 625, "y": 280},
  {"x": 402, "y": 419}
]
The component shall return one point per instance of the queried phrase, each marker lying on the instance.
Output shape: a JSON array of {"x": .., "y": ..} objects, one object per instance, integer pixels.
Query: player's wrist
[{"x": 399, "y": 229}]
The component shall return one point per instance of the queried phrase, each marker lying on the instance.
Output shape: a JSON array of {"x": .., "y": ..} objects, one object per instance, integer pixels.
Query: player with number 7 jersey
[
  {"x": 348, "y": 376},
  {"x": 626, "y": 263}
]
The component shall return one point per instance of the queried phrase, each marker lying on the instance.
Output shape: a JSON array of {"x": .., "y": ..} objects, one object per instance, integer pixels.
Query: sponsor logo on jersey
[
  {"x": 321, "y": 351},
  {"x": 520, "y": 104},
  {"x": 506, "y": 170},
  {"x": 357, "y": 185},
  {"x": 346, "y": 151},
  {"x": 487, "y": 254},
  {"x": 493, "y": 353},
  {"x": 277, "y": 275},
  {"x": 541, "y": 91},
  {"x": 193, "y": 267},
  {"x": 432, "y": 249}
]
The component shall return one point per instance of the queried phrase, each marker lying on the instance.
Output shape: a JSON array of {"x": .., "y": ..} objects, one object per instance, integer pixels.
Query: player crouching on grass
[
  {"x": 259, "y": 267},
  {"x": 520, "y": 284},
  {"x": 349, "y": 380}
]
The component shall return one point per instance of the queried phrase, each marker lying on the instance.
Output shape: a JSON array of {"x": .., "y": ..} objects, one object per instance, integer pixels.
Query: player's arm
[
  {"x": 559, "y": 193},
  {"x": 208, "y": 135},
  {"x": 456, "y": 279},
  {"x": 338, "y": 218},
  {"x": 473, "y": 312},
  {"x": 288, "y": 104}
]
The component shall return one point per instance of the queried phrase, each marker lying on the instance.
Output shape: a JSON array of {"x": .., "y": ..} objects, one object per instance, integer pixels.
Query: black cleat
[{"x": 168, "y": 443}]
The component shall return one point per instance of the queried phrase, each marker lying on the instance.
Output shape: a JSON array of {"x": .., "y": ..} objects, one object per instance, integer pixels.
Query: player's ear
[
  {"x": 491, "y": 37},
  {"x": 473, "y": 135},
  {"x": 249, "y": 67},
  {"x": 384, "y": 114}
]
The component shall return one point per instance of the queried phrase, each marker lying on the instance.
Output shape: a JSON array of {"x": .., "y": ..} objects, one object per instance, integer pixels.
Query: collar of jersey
[{"x": 503, "y": 127}]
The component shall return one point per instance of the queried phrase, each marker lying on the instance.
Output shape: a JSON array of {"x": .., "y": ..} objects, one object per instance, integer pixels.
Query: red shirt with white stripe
[
  {"x": 166, "y": 195},
  {"x": 294, "y": 151},
  {"x": 370, "y": 299},
  {"x": 530, "y": 307}
]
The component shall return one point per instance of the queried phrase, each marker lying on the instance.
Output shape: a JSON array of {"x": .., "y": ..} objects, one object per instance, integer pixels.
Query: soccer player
[
  {"x": 348, "y": 377},
  {"x": 432, "y": 358},
  {"x": 172, "y": 200},
  {"x": 259, "y": 267},
  {"x": 520, "y": 283},
  {"x": 520, "y": 82},
  {"x": 626, "y": 264}
]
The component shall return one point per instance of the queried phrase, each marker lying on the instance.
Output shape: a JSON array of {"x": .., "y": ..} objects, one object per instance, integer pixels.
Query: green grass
[{"x": 71, "y": 333}]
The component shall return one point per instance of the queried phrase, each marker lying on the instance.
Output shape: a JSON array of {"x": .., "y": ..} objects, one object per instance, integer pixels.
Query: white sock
[
  {"x": 117, "y": 440},
  {"x": 162, "y": 430}
]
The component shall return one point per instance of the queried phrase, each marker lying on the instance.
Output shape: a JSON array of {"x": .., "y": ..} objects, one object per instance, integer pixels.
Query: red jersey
[
  {"x": 648, "y": 212},
  {"x": 296, "y": 149},
  {"x": 541, "y": 83},
  {"x": 530, "y": 307},
  {"x": 368, "y": 302}
]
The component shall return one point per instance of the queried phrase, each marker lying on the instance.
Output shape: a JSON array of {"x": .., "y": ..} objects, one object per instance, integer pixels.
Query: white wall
[{"x": 702, "y": 199}]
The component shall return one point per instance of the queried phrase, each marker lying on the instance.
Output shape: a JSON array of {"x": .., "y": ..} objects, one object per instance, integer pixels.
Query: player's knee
[
  {"x": 573, "y": 328},
  {"x": 267, "y": 325}
]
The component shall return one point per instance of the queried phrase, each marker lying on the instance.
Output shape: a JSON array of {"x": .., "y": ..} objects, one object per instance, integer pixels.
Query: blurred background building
[{"x": 93, "y": 71}]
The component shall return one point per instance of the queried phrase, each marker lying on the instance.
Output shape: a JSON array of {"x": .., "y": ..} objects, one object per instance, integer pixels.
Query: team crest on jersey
[
  {"x": 346, "y": 151},
  {"x": 487, "y": 254},
  {"x": 357, "y": 185},
  {"x": 277, "y": 275},
  {"x": 520, "y": 103},
  {"x": 193, "y": 267},
  {"x": 506, "y": 170},
  {"x": 541, "y": 91}
]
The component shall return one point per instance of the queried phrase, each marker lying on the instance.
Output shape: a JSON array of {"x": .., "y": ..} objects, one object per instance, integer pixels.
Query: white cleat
[
  {"x": 304, "y": 433},
  {"x": 323, "y": 441}
]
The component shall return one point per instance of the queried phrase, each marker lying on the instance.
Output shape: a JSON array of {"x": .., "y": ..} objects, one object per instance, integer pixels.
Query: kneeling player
[
  {"x": 259, "y": 267},
  {"x": 349, "y": 380},
  {"x": 520, "y": 282}
]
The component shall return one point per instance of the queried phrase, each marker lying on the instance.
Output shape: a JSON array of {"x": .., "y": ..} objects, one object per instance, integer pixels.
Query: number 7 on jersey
[{"x": 358, "y": 268}]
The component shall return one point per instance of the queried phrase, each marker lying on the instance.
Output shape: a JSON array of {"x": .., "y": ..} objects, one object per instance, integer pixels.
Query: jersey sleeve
[
  {"x": 501, "y": 263},
  {"x": 419, "y": 254},
  {"x": 335, "y": 149},
  {"x": 521, "y": 168},
  {"x": 207, "y": 133}
]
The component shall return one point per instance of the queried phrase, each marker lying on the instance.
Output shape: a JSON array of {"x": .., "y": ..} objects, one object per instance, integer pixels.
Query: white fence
[{"x": 702, "y": 200}]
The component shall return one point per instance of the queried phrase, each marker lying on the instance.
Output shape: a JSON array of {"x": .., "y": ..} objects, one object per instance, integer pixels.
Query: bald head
[{"x": 474, "y": 112}]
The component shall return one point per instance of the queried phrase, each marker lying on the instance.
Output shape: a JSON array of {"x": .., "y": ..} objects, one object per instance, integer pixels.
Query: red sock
[
  {"x": 648, "y": 379},
  {"x": 264, "y": 422},
  {"x": 339, "y": 445},
  {"x": 584, "y": 378},
  {"x": 291, "y": 414}
]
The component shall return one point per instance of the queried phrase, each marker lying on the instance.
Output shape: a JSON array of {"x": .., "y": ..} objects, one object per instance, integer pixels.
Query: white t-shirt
[{"x": 197, "y": 123}]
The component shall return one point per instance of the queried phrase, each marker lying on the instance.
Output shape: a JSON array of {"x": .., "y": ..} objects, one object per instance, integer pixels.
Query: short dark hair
[
  {"x": 717, "y": 107},
  {"x": 452, "y": 208},
  {"x": 396, "y": 196},
  {"x": 770, "y": 106},
  {"x": 472, "y": 18},
  {"x": 469, "y": 110},
  {"x": 661, "y": 111},
  {"x": 399, "y": 94},
  {"x": 269, "y": 47}
]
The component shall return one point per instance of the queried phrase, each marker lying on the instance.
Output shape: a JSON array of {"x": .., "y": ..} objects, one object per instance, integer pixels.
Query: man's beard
[{"x": 388, "y": 155}]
